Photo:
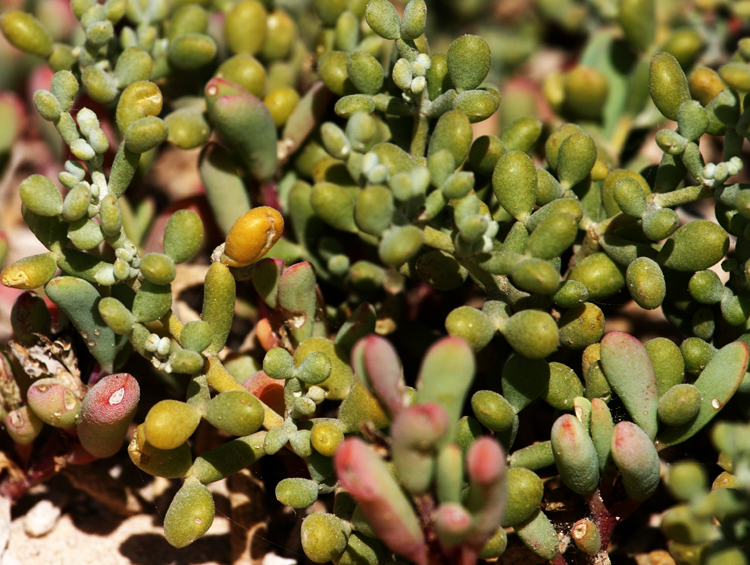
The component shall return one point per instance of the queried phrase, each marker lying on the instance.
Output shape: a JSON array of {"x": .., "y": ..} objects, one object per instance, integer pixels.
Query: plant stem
[
  {"x": 682, "y": 196},
  {"x": 421, "y": 126},
  {"x": 419, "y": 135},
  {"x": 605, "y": 522}
]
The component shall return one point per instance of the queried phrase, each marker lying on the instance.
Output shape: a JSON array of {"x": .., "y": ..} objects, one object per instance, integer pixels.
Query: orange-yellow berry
[{"x": 252, "y": 235}]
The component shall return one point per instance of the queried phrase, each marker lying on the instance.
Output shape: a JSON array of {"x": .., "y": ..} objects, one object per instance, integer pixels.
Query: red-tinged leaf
[
  {"x": 375, "y": 362},
  {"x": 245, "y": 123},
  {"x": 485, "y": 463},
  {"x": 382, "y": 501},
  {"x": 304, "y": 118},
  {"x": 635, "y": 456},
  {"x": 270, "y": 391},
  {"x": 575, "y": 455},
  {"x": 106, "y": 412}
]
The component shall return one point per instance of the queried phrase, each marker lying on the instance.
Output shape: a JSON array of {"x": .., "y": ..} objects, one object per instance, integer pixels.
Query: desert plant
[{"x": 345, "y": 193}]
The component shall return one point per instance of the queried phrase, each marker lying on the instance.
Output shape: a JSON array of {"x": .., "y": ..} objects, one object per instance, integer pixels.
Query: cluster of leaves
[
  {"x": 390, "y": 202},
  {"x": 709, "y": 525}
]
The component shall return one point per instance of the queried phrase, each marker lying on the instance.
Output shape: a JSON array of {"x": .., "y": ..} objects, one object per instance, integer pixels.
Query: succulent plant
[{"x": 417, "y": 296}]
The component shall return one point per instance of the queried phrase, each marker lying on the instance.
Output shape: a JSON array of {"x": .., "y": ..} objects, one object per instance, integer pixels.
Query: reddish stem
[
  {"x": 269, "y": 195},
  {"x": 604, "y": 520},
  {"x": 607, "y": 518},
  {"x": 436, "y": 553},
  {"x": 96, "y": 375},
  {"x": 23, "y": 453},
  {"x": 57, "y": 452}
]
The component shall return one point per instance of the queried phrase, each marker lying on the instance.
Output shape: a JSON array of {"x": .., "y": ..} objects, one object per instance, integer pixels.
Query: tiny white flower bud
[
  {"x": 378, "y": 174},
  {"x": 424, "y": 60},
  {"x": 418, "y": 70},
  {"x": 418, "y": 84},
  {"x": 82, "y": 150},
  {"x": 152, "y": 343},
  {"x": 164, "y": 345},
  {"x": 87, "y": 121},
  {"x": 369, "y": 161},
  {"x": 709, "y": 171}
]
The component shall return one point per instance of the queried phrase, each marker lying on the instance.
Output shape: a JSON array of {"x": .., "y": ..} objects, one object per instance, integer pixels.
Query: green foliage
[
  {"x": 339, "y": 121},
  {"x": 190, "y": 514}
]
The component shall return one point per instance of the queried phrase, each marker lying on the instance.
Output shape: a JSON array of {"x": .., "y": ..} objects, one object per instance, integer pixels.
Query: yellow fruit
[
  {"x": 252, "y": 235},
  {"x": 281, "y": 103},
  {"x": 326, "y": 437}
]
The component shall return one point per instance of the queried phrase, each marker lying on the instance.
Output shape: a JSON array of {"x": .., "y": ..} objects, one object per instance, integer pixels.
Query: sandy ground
[
  {"x": 107, "y": 540},
  {"x": 83, "y": 531},
  {"x": 87, "y": 533}
]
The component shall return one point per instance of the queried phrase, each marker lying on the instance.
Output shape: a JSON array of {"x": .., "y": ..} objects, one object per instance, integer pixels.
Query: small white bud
[
  {"x": 316, "y": 394},
  {"x": 152, "y": 343},
  {"x": 67, "y": 180},
  {"x": 709, "y": 171},
  {"x": 424, "y": 60},
  {"x": 164, "y": 345},
  {"x": 420, "y": 178},
  {"x": 75, "y": 169},
  {"x": 98, "y": 140},
  {"x": 369, "y": 161},
  {"x": 418, "y": 70},
  {"x": 402, "y": 74},
  {"x": 124, "y": 254},
  {"x": 87, "y": 121},
  {"x": 100, "y": 182},
  {"x": 378, "y": 174},
  {"x": 721, "y": 173},
  {"x": 122, "y": 269},
  {"x": 82, "y": 150},
  {"x": 418, "y": 84}
]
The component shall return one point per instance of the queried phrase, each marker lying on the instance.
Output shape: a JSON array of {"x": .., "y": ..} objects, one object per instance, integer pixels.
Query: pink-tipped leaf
[
  {"x": 384, "y": 504},
  {"x": 416, "y": 434},
  {"x": 635, "y": 455},
  {"x": 375, "y": 362},
  {"x": 575, "y": 455},
  {"x": 485, "y": 465},
  {"x": 106, "y": 412}
]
